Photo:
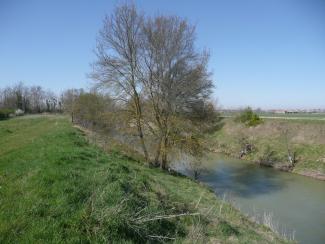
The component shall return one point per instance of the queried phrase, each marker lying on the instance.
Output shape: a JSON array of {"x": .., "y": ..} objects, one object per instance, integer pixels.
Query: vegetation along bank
[{"x": 296, "y": 146}]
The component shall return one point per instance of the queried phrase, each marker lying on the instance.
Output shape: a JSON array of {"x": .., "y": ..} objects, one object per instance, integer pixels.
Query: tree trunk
[
  {"x": 164, "y": 154},
  {"x": 139, "y": 126},
  {"x": 196, "y": 174},
  {"x": 143, "y": 145},
  {"x": 158, "y": 150}
]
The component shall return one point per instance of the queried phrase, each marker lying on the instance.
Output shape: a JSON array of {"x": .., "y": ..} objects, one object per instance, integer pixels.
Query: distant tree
[
  {"x": 9, "y": 98},
  {"x": 249, "y": 118},
  {"x": 51, "y": 101},
  {"x": 15, "y": 97},
  {"x": 26, "y": 100},
  {"x": 32, "y": 99},
  {"x": 18, "y": 92},
  {"x": 37, "y": 95},
  {"x": 88, "y": 109},
  {"x": 68, "y": 99}
]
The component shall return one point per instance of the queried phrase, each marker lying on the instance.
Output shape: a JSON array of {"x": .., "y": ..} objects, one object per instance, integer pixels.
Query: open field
[
  {"x": 288, "y": 116},
  {"x": 56, "y": 187},
  {"x": 305, "y": 137},
  {"x": 294, "y": 116}
]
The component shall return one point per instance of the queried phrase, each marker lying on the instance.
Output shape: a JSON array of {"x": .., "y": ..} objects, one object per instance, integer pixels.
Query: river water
[{"x": 296, "y": 203}]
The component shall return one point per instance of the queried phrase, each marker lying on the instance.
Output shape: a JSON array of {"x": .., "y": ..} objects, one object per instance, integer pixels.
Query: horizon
[{"x": 268, "y": 55}]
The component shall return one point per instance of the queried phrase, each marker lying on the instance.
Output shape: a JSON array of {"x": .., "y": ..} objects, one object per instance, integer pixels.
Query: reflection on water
[
  {"x": 243, "y": 180},
  {"x": 297, "y": 202}
]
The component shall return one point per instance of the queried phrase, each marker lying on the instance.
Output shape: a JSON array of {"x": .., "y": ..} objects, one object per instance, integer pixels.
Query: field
[
  {"x": 283, "y": 116},
  {"x": 57, "y": 187},
  {"x": 305, "y": 137},
  {"x": 294, "y": 116}
]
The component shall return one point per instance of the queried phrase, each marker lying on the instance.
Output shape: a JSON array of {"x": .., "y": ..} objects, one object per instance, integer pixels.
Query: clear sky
[{"x": 264, "y": 53}]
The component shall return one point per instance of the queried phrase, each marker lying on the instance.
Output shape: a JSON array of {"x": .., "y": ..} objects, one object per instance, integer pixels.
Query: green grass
[
  {"x": 302, "y": 116},
  {"x": 288, "y": 116},
  {"x": 56, "y": 187},
  {"x": 306, "y": 138}
]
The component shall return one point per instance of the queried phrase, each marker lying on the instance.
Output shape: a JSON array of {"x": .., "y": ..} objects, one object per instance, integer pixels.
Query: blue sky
[{"x": 264, "y": 53}]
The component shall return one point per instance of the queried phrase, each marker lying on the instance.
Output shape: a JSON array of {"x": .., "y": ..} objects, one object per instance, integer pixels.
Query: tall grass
[{"x": 262, "y": 218}]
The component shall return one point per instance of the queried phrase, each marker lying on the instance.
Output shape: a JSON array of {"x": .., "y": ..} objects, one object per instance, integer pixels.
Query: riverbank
[
  {"x": 269, "y": 143},
  {"x": 293, "y": 204},
  {"x": 55, "y": 186}
]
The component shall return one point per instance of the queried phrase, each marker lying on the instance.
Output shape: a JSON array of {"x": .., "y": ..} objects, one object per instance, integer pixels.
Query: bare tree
[
  {"x": 117, "y": 62},
  {"x": 9, "y": 98},
  {"x": 15, "y": 97},
  {"x": 37, "y": 98},
  {"x": 51, "y": 101},
  {"x": 152, "y": 68},
  {"x": 68, "y": 99},
  {"x": 174, "y": 76},
  {"x": 27, "y": 99},
  {"x": 18, "y": 92}
]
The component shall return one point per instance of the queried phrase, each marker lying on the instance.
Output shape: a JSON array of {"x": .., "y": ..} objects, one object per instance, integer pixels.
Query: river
[{"x": 296, "y": 203}]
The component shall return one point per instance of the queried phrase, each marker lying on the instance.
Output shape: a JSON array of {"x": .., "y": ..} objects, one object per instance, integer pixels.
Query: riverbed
[{"x": 295, "y": 204}]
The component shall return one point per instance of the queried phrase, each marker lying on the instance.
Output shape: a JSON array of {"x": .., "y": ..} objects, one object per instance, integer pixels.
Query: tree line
[{"x": 30, "y": 99}]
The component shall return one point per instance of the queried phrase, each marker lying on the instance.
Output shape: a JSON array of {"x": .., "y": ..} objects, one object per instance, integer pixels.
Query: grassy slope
[
  {"x": 307, "y": 137},
  {"x": 56, "y": 187}
]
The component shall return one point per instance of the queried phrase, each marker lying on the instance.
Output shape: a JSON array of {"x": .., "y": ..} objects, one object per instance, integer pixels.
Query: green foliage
[
  {"x": 5, "y": 113},
  {"x": 248, "y": 117}
]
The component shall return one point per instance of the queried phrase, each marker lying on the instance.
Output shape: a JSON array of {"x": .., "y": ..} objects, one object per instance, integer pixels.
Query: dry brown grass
[{"x": 307, "y": 132}]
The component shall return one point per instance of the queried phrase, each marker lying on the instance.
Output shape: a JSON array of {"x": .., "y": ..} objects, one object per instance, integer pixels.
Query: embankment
[
  {"x": 270, "y": 141},
  {"x": 56, "y": 187}
]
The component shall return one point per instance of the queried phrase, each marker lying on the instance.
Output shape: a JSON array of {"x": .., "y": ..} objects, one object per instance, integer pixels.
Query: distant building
[
  {"x": 291, "y": 111},
  {"x": 279, "y": 111}
]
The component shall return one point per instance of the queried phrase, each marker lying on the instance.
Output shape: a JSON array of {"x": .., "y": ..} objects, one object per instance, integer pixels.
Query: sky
[{"x": 266, "y": 54}]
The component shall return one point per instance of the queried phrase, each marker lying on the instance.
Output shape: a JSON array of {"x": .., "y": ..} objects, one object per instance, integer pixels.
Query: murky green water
[{"x": 296, "y": 202}]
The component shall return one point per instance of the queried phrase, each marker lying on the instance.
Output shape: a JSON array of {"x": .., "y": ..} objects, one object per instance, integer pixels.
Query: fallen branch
[
  {"x": 162, "y": 237},
  {"x": 198, "y": 202},
  {"x": 138, "y": 220}
]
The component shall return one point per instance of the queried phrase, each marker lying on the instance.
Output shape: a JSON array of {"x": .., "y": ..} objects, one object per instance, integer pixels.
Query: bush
[
  {"x": 268, "y": 156},
  {"x": 5, "y": 113},
  {"x": 249, "y": 118}
]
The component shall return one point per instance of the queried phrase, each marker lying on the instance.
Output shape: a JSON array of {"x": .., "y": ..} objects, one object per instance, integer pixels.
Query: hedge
[{"x": 5, "y": 113}]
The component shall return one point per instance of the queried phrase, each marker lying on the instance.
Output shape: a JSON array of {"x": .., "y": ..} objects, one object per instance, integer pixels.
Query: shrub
[
  {"x": 246, "y": 147},
  {"x": 248, "y": 117},
  {"x": 268, "y": 156},
  {"x": 5, "y": 113}
]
